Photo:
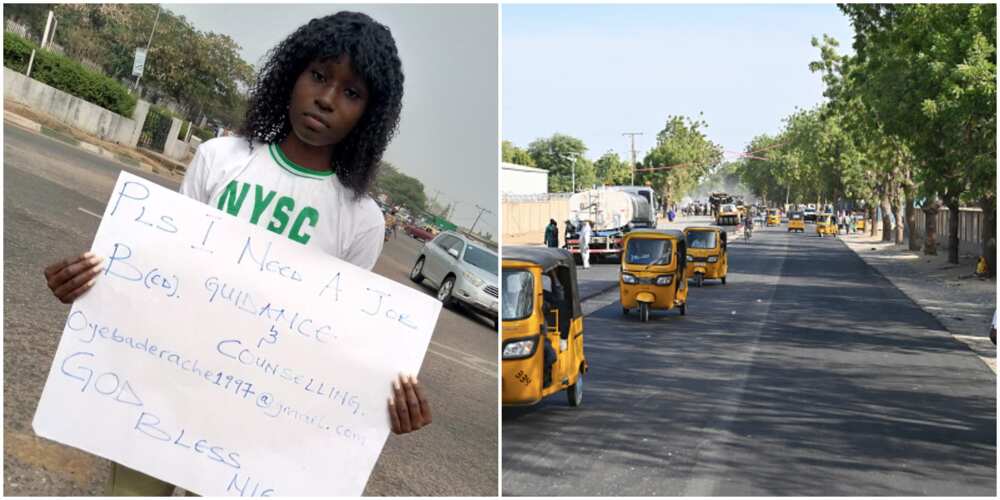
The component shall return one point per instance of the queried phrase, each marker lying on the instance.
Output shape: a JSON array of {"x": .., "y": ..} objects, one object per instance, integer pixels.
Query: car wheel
[
  {"x": 444, "y": 291},
  {"x": 574, "y": 393},
  {"x": 417, "y": 273}
]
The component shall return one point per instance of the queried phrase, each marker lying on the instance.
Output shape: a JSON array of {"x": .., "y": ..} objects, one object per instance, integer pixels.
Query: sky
[
  {"x": 449, "y": 125},
  {"x": 596, "y": 71}
]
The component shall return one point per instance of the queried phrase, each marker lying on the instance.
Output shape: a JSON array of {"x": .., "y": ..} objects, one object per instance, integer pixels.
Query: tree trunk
[
  {"x": 931, "y": 209},
  {"x": 871, "y": 219},
  {"x": 953, "y": 218},
  {"x": 886, "y": 206},
  {"x": 989, "y": 234},
  {"x": 911, "y": 221},
  {"x": 900, "y": 218}
]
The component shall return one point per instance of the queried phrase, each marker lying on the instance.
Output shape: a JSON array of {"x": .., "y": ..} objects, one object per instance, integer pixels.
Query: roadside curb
[
  {"x": 978, "y": 343},
  {"x": 30, "y": 125}
]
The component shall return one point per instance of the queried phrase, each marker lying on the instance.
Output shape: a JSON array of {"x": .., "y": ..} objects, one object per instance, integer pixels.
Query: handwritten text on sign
[{"x": 222, "y": 358}]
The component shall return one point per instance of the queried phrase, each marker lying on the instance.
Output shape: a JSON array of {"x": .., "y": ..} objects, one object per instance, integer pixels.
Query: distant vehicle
[
  {"x": 462, "y": 270},
  {"x": 612, "y": 212},
  {"x": 796, "y": 222},
  {"x": 809, "y": 214},
  {"x": 418, "y": 232},
  {"x": 728, "y": 215}
]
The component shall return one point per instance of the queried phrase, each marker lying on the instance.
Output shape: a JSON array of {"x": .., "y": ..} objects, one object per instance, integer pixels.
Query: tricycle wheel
[
  {"x": 643, "y": 312},
  {"x": 625, "y": 311},
  {"x": 574, "y": 393},
  {"x": 684, "y": 309},
  {"x": 699, "y": 279},
  {"x": 723, "y": 280}
]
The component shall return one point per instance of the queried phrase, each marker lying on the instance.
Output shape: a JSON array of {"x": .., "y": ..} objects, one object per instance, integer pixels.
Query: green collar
[{"x": 283, "y": 161}]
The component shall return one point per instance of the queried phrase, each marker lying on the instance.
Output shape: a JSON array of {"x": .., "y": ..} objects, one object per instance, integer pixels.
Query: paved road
[
  {"x": 52, "y": 195},
  {"x": 807, "y": 374}
]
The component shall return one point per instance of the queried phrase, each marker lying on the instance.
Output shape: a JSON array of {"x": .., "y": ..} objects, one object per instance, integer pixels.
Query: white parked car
[{"x": 462, "y": 270}]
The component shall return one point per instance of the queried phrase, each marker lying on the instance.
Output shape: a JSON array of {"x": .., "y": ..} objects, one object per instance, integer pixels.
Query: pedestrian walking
[
  {"x": 552, "y": 234},
  {"x": 585, "y": 233}
]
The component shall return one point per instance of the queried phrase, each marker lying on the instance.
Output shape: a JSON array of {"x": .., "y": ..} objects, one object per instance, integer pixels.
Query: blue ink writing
[{"x": 272, "y": 265}]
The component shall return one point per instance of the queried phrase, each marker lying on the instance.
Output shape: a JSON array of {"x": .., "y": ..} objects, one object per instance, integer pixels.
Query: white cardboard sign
[{"x": 227, "y": 359}]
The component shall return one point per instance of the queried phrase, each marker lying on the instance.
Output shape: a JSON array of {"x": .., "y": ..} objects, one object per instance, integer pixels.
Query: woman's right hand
[{"x": 71, "y": 277}]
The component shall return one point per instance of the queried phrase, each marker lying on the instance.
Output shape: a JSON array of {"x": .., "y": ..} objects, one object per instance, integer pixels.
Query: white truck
[{"x": 612, "y": 211}]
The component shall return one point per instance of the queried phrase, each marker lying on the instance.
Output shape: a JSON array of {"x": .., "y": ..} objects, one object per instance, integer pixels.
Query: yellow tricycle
[
  {"x": 652, "y": 273},
  {"x": 826, "y": 225},
  {"x": 706, "y": 254},
  {"x": 542, "y": 336}
]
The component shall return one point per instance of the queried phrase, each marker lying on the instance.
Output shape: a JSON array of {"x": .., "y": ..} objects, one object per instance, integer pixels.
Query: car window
[
  {"x": 442, "y": 241},
  {"x": 482, "y": 259}
]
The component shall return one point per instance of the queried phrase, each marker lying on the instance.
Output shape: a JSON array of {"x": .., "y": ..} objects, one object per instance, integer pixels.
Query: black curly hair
[{"x": 373, "y": 55}]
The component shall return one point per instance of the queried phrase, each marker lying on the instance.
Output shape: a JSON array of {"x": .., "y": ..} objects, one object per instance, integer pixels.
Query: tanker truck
[{"x": 612, "y": 212}]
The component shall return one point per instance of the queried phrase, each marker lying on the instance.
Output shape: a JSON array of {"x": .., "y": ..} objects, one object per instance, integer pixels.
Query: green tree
[
  {"x": 610, "y": 170},
  {"x": 513, "y": 154},
  {"x": 929, "y": 73},
  {"x": 683, "y": 156},
  {"x": 400, "y": 188},
  {"x": 562, "y": 156}
]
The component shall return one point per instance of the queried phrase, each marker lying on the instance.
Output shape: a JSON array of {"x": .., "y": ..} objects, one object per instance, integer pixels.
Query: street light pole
[{"x": 148, "y": 43}]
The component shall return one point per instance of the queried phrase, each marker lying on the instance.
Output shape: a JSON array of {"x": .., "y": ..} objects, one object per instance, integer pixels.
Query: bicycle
[{"x": 747, "y": 232}]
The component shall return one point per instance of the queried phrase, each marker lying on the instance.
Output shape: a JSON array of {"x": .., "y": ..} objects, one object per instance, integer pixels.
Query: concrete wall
[
  {"x": 74, "y": 111},
  {"x": 524, "y": 221},
  {"x": 970, "y": 229}
]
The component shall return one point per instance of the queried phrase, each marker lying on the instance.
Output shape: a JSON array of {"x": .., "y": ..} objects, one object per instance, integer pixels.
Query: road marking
[
  {"x": 84, "y": 210},
  {"x": 464, "y": 363}
]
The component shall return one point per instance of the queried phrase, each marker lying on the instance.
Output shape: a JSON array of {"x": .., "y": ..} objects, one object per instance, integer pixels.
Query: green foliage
[
  {"x": 16, "y": 52},
  {"x": 681, "y": 145},
  {"x": 401, "y": 188},
  {"x": 182, "y": 133},
  {"x": 610, "y": 170},
  {"x": 202, "y": 133},
  {"x": 562, "y": 155},
  {"x": 71, "y": 77},
  {"x": 201, "y": 71},
  {"x": 513, "y": 154}
]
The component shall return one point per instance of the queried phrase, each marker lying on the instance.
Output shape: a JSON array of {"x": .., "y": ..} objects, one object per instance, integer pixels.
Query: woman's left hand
[{"x": 408, "y": 406}]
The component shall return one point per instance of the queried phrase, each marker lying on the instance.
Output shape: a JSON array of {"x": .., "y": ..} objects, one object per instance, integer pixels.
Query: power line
[{"x": 481, "y": 210}]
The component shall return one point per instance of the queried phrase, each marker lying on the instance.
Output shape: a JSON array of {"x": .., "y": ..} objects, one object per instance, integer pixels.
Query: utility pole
[
  {"x": 481, "y": 210},
  {"x": 148, "y": 43},
  {"x": 632, "y": 136},
  {"x": 45, "y": 37}
]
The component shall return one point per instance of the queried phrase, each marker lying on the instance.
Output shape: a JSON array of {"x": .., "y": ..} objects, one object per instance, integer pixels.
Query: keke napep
[
  {"x": 706, "y": 254},
  {"x": 542, "y": 333},
  {"x": 652, "y": 272}
]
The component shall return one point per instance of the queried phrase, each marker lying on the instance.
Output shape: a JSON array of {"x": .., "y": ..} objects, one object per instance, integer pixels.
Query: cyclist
[{"x": 748, "y": 228}]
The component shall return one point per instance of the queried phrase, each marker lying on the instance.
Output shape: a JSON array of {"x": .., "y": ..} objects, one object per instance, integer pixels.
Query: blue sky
[{"x": 595, "y": 71}]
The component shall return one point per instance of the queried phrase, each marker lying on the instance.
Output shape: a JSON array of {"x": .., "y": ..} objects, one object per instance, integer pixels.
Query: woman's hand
[
  {"x": 71, "y": 277},
  {"x": 408, "y": 406}
]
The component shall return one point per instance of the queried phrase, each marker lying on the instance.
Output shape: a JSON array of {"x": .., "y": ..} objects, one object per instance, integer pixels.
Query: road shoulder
[{"x": 961, "y": 302}]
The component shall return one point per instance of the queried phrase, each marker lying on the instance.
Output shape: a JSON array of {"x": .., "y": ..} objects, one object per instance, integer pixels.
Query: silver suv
[{"x": 461, "y": 269}]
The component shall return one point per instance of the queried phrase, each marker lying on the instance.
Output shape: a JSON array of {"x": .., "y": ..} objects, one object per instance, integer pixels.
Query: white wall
[
  {"x": 517, "y": 179},
  {"x": 74, "y": 111}
]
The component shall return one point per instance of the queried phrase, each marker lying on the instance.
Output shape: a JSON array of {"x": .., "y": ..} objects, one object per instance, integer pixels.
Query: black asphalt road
[
  {"x": 807, "y": 374},
  {"x": 49, "y": 188}
]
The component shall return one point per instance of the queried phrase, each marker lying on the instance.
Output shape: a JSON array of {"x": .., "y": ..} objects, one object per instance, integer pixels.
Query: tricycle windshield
[
  {"x": 518, "y": 294},
  {"x": 649, "y": 252},
  {"x": 701, "y": 239}
]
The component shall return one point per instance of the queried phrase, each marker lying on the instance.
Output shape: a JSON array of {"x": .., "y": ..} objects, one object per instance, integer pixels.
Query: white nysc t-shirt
[{"x": 264, "y": 187}]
